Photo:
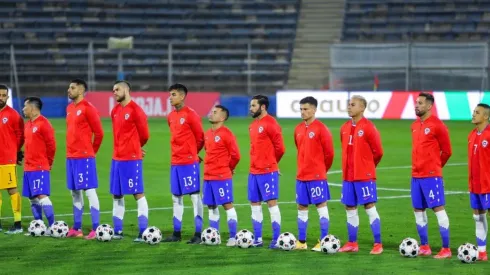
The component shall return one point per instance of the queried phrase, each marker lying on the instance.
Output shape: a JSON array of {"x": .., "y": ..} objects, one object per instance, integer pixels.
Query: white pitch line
[
  {"x": 399, "y": 167},
  {"x": 238, "y": 204}
]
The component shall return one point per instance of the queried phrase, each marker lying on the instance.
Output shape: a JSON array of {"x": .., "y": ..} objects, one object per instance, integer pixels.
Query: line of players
[{"x": 361, "y": 153}]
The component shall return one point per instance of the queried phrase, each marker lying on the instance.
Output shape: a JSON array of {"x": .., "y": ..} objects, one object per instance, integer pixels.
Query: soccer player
[
  {"x": 12, "y": 139},
  {"x": 315, "y": 156},
  {"x": 222, "y": 156},
  {"x": 361, "y": 153},
  {"x": 267, "y": 149},
  {"x": 130, "y": 129},
  {"x": 187, "y": 139},
  {"x": 40, "y": 148},
  {"x": 479, "y": 175},
  {"x": 83, "y": 140},
  {"x": 431, "y": 149}
]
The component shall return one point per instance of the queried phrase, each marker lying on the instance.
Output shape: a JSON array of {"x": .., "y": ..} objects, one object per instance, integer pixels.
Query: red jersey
[
  {"x": 222, "y": 154},
  {"x": 266, "y": 145},
  {"x": 187, "y": 135},
  {"x": 361, "y": 150},
  {"x": 130, "y": 129},
  {"x": 11, "y": 135},
  {"x": 83, "y": 123},
  {"x": 431, "y": 147},
  {"x": 40, "y": 145},
  {"x": 315, "y": 150},
  {"x": 479, "y": 161}
]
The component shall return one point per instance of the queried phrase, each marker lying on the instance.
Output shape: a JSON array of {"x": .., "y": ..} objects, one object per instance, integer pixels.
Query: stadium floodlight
[{"x": 120, "y": 44}]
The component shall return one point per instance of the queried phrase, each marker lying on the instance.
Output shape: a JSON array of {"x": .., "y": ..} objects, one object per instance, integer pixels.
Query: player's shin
[
  {"x": 421, "y": 222},
  {"x": 214, "y": 218},
  {"x": 481, "y": 226},
  {"x": 118, "y": 209},
  {"x": 302, "y": 225},
  {"x": 178, "y": 208},
  {"x": 77, "y": 209},
  {"x": 324, "y": 221},
  {"x": 37, "y": 210},
  {"x": 352, "y": 224},
  {"x": 443, "y": 221},
  {"x": 93, "y": 201},
  {"x": 15, "y": 201},
  {"x": 232, "y": 218},
  {"x": 198, "y": 212},
  {"x": 375, "y": 223},
  {"x": 142, "y": 214},
  {"x": 48, "y": 209},
  {"x": 276, "y": 221},
  {"x": 257, "y": 218}
]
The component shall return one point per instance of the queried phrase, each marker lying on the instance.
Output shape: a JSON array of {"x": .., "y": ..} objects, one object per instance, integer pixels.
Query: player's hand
[
  {"x": 233, "y": 172},
  {"x": 20, "y": 157},
  {"x": 143, "y": 152}
]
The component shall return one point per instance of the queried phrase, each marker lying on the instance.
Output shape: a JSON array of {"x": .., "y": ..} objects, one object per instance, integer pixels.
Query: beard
[
  {"x": 2, "y": 104},
  {"x": 419, "y": 113},
  {"x": 121, "y": 98},
  {"x": 256, "y": 114}
]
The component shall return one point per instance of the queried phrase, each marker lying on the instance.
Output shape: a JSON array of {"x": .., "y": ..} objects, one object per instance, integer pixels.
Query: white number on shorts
[
  {"x": 221, "y": 192},
  {"x": 187, "y": 181},
  {"x": 476, "y": 146},
  {"x": 130, "y": 183},
  {"x": 80, "y": 177},
  {"x": 431, "y": 194},
  {"x": 38, "y": 182},
  {"x": 365, "y": 191},
  {"x": 316, "y": 192},
  {"x": 486, "y": 197},
  {"x": 267, "y": 187}
]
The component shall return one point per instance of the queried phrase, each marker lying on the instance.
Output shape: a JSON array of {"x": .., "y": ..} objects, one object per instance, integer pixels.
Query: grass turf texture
[{"x": 397, "y": 221}]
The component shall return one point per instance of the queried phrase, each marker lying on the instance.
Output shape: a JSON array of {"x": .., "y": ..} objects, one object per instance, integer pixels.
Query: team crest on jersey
[
  {"x": 311, "y": 135},
  {"x": 484, "y": 143},
  {"x": 261, "y": 129},
  {"x": 426, "y": 131},
  {"x": 126, "y": 116},
  {"x": 34, "y": 129},
  {"x": 182, "y": 120},
  {"x": 5, "y": 120},
  {"x": 217, "y": 138},
  {"x": 79, "y": 112},
  {"x": 360, "y": 133}
]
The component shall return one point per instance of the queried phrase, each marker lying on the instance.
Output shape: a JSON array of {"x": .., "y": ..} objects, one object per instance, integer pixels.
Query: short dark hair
[
  {"x": 309, "y": 100},
  {"x": 179, "y": 87},
  {"x": 36, "y": 101},
  {"x": 428, "y": 97},
  {"x": 125, "y": 82},
  {"x": 262, "y": 100},
  {"x": 485, "y": 106},
  {"x": 225, "y": 110},
  {"x": 4, "y": 87},
  {"x": 79, "y": 81}
]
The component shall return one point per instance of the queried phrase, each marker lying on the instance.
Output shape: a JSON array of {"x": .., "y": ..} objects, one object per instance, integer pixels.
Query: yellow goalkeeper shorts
[{"x": 8, "y": 176}]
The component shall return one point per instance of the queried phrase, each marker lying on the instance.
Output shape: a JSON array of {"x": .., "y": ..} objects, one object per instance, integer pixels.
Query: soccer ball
[
  {"x": 244, "y": 238},
  {"x": 330, "y": 244},
  {"x": 152, "y": 235},
  {"x": 409, "y": 248},
  {"x": 104, "y": 233},
  {"x": 59, "y": 229},
  {"x": 286, "y": 241},
  {"x": 210, "y": 236},
  {"x": 467, "y": 253},
  {"x": 37, "y": 228}
]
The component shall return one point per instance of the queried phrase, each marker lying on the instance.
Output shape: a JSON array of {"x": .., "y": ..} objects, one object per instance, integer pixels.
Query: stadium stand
[
  {"x": 209, "y": 42},
  {"x": 416, "y": 20}
]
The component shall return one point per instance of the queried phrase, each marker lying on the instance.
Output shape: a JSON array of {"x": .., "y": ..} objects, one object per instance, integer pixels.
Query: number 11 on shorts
[{"x": 365, "y": 191}]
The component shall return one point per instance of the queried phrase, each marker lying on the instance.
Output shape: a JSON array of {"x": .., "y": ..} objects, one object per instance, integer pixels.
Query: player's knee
[
  {"x": 272, "y": 203},
  {"x": 302, "y": 207},
  {"x": 369, "y": 205},
  {"x": 138, "y": 196},
  {"x": 350, "y": 207},
  {"x": 321, "y": 205},
  {"x": 12, "y": 191},
  {"x": 228, "y": 206},
  {"x": 117, "y": 197},
  {"x": 177, "y": 200}
]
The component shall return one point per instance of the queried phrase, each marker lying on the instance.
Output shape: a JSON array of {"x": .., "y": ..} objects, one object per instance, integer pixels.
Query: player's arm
[
  {"x": 275, "y": 134},
  {"x": 96, "y": 127},
  {"x": 374, "y": 140},
  {"x": 49, "y": 140},
  {"x": 327, "y": 147},
  {"x": 141, "y": 123},
  {"x": 442, "y": 135},
  {"x": 197, "y": 131},
  {"x": 296, "y": 137},
  {"x": 19, "y": 135},
  {"x": 233, "y": 150}
]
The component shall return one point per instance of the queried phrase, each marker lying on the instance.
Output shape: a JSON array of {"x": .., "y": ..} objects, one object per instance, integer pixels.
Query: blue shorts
[
  {"x": 36, "y": 183},
  {"x": 126, "y": 177},
  {"x": 312, "y": 192},
  {"x": 185, "y": 179},
  {"x": 359, "y": 192},
  {"x": 217, "y": 192},
  {"x": 427, "y": 192},
  {"x": 81, "y": 174},
  {"x": 263, "y": 187},
  {"x": 479, "y": 201}
]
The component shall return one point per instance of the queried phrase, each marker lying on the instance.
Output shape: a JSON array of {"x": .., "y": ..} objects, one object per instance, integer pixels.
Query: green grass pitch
[{"x": 72, "y": 256}]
